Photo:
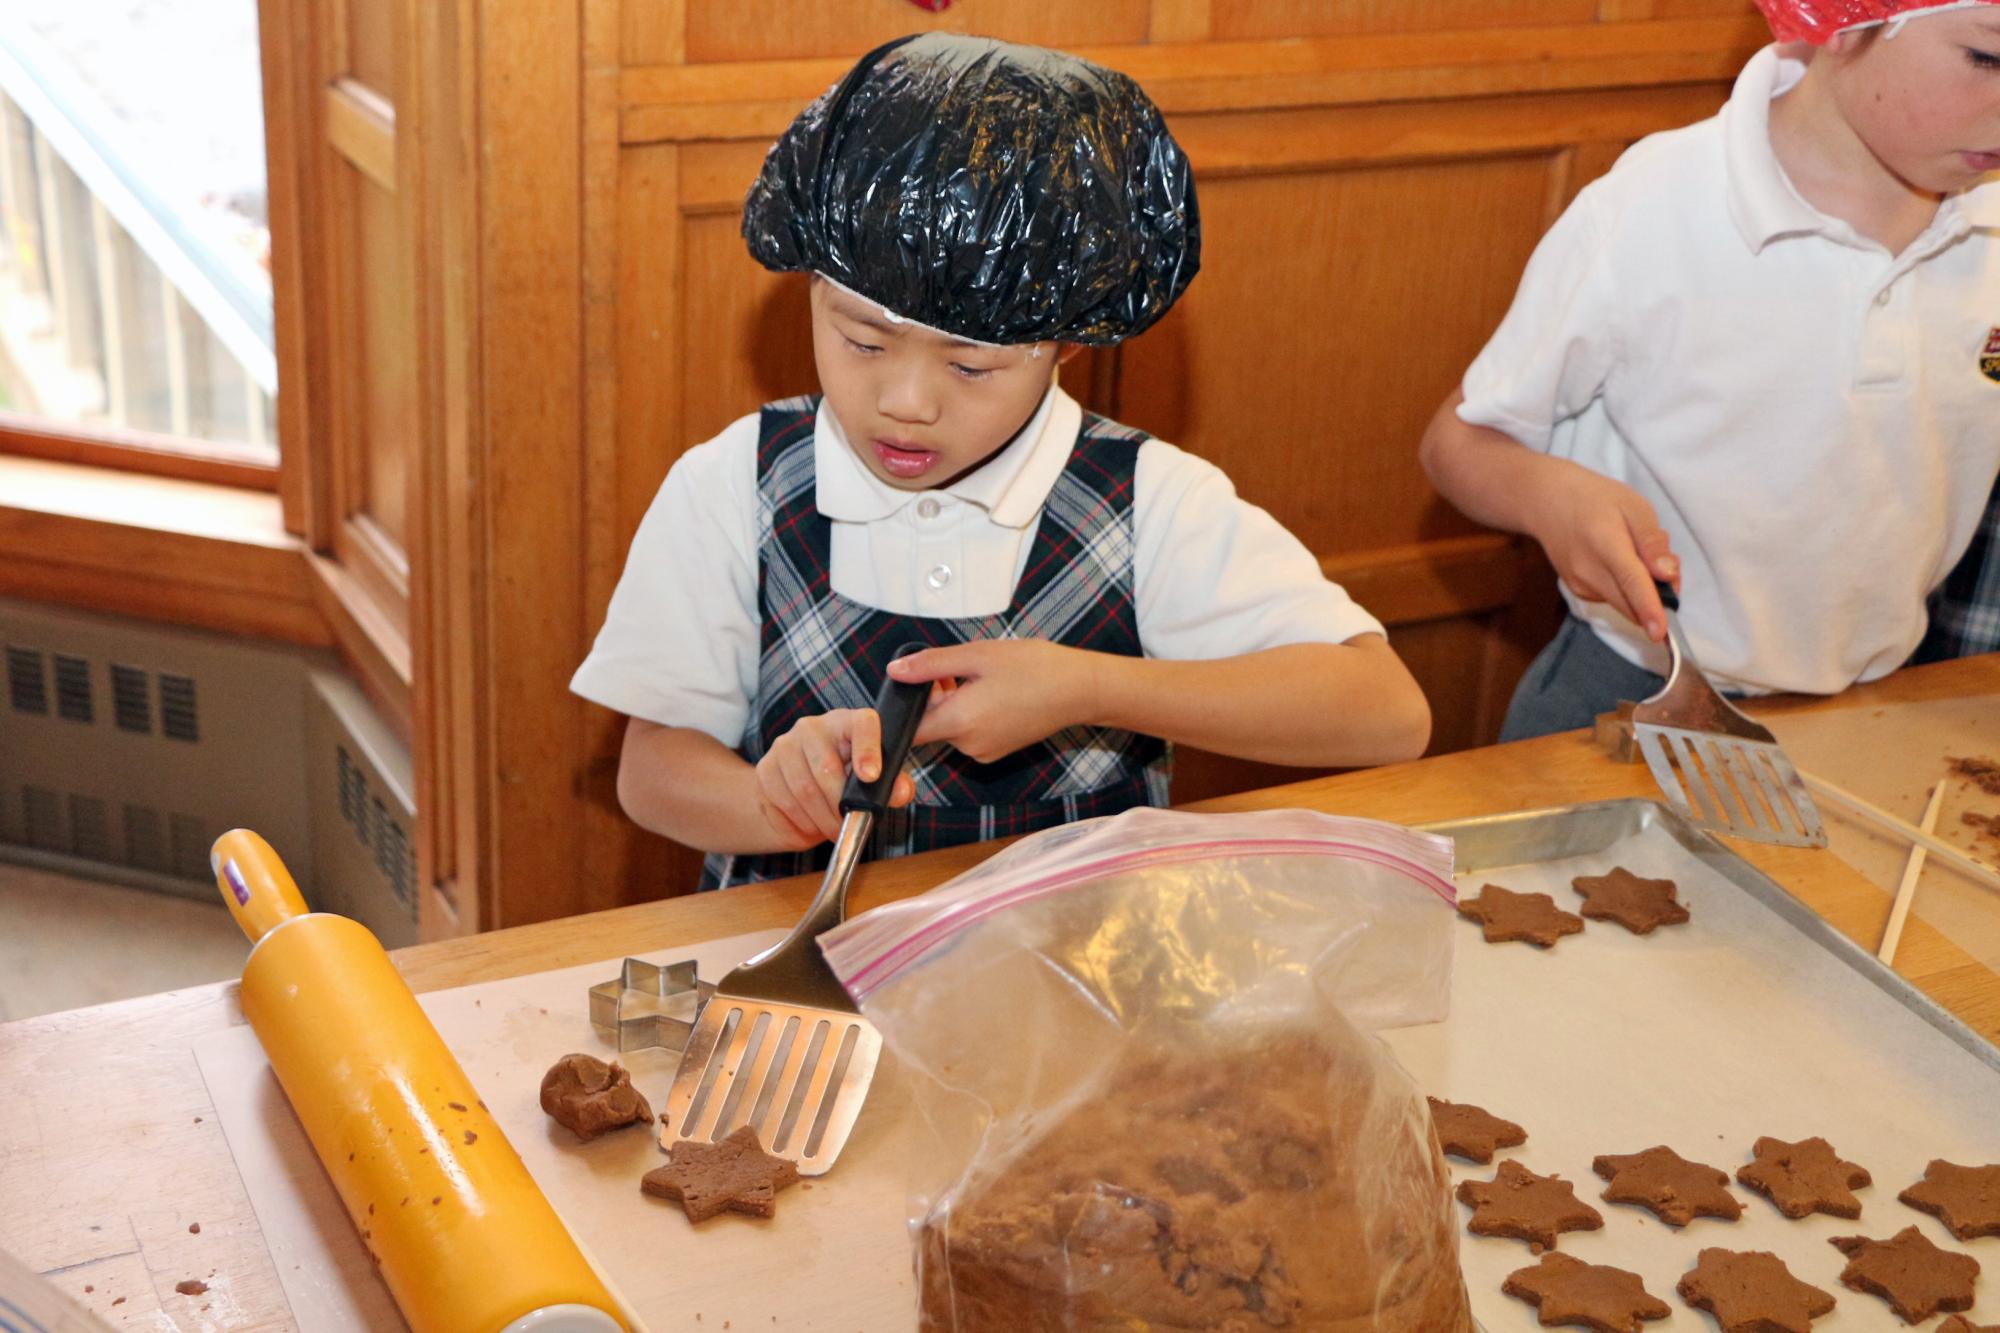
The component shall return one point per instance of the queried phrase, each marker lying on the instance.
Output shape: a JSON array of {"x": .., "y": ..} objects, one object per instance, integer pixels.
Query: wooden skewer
[
  {"x": 1913, "y": 870},
  {"x": 1944, "y": 851}
]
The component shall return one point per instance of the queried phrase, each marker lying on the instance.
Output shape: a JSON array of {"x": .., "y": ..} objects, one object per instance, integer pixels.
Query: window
[{"x": 135, "y": 291}]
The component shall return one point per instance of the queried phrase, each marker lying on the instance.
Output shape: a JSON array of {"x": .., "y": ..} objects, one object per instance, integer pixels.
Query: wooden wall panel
[
  {"x": 753, "y": 328},
  {"x": 450, "y": 740},
  {"x": 1620, "y": 10},
  {"x": 649, "y": 348},
  {"x": 623, "y": 477},
  {"x": 653, "y": 33},
  {"x": 371, "y": 42},
  {"x": 1447, "y": 657},
  {"x": 1334, "y": 311},
  {"x": 386, "y": 361},
  {"x": 1239, "y": 20},
  {"x": 718, "y": 32},
  {"x": 529, "y": 439}
]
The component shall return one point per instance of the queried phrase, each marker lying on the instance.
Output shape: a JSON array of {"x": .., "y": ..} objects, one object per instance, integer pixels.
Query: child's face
[
  {"x": 921, "y": 409},
  {"x": 1926, "y": 102}
]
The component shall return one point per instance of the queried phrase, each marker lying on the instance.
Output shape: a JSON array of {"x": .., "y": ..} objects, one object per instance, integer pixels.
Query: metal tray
[
  {"x": 1755, "y": 1018},
  {"x": 1494, "y": 842}
]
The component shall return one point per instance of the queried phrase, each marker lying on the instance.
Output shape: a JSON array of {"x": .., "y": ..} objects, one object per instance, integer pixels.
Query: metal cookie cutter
[{"x": 647, "y": 1005}]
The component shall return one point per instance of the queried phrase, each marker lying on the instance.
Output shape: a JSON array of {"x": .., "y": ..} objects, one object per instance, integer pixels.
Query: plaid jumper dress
[{"x": 820, "y": 651}]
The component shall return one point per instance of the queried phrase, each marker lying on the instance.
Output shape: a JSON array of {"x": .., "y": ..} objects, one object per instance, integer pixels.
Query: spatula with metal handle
[
  {"x": 1714, "y": 765},
  {"x": 780, "y": 1046}
]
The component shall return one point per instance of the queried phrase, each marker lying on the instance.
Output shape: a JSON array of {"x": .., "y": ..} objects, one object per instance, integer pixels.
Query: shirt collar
[
  {"x": 1011, "y": 487},
  {"x": 1980, "y": 206},
  {"x": 1761, "y": 198}
]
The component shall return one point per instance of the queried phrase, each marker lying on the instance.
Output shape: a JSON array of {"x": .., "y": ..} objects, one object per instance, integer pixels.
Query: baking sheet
[{"x": 1754, "y": 1018}]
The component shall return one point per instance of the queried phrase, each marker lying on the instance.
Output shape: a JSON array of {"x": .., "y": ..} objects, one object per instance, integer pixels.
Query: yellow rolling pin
[{"x": 464, "y": 1237}]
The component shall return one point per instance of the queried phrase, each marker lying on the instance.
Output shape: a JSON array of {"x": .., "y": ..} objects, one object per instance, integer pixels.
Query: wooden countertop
[{"x": 110, "y": 1150}]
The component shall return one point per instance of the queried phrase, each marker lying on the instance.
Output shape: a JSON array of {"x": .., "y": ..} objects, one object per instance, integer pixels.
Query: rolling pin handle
[{"x": 256, "y": 888}]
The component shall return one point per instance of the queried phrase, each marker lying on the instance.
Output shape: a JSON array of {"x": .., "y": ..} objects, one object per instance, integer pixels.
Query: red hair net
[{"x": 1818, "y": 20}]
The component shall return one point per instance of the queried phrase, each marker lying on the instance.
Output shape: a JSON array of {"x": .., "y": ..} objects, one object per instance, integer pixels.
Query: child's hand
[
  {"x": 1007, "y": 693},
  {"x": 800, "y": 777},
  {"x": 1607, "y": 544}
]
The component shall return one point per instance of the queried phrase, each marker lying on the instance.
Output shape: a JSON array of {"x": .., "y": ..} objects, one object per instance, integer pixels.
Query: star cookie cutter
[{"x": 647, "y": 1005}]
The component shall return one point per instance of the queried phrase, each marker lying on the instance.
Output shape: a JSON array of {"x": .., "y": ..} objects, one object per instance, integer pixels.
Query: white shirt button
[
  {"x": 1882, "y": 297},
  {"x": 939, "y": 576},
  {"x": 927, "y": 507}
]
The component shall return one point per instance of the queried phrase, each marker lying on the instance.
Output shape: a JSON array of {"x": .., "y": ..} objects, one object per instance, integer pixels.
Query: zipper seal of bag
[{"x": 956, "y": 918}]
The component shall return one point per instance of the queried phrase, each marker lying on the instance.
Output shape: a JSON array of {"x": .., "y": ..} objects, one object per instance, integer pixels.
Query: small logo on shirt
[{"x": 1989, "y": 360}]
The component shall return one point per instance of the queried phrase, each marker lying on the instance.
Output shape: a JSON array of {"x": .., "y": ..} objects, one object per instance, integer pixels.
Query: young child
[
  {"x": 1749, "y": 362},
  {"x": 969, "y": 212}
]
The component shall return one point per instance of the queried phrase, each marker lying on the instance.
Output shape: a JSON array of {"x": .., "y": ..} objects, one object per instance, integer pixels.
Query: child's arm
[
  {"x": 688, "y": 786},
  {"x": 1296, "y": 704},
  {"x": 1601, "y": 535}
]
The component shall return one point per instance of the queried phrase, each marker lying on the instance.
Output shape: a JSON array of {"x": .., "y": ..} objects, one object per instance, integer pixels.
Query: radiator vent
[
  {"x": 27, "y": 690},
  {"x": 129, "y": 702},
  {"x": 89, "y": 828},
  {"x": 175, "y": 844},
  {"x": 190, "y": 842},
  {"x": 394, "y": 857},
  {"x": 353, "y": 788},
  {"x": 177, "y": 711},
  {"x": 76, "y": 701},
  {"x": 141, "y": 742},
  {"x": 73, "y": 698},
  {"x": 43, "y": 817},
  {"x": 145, "y": 839},
  {"x": 377, "y": 828}
]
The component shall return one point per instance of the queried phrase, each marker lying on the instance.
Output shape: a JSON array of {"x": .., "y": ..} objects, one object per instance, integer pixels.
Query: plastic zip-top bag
[{"x": 1143, "y": 1051}]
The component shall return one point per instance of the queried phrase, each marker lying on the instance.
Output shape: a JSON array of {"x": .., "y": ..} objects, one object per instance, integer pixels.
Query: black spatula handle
[{"x": 901, "y": 708}]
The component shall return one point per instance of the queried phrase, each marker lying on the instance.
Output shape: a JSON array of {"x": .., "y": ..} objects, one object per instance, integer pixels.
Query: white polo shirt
[
  {"x": 1805, "y": 410},
  {"x": 1216, "y": 576}
]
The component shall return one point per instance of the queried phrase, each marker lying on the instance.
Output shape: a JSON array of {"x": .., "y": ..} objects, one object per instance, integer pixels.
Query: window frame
[{"x": 184, "y": 458}]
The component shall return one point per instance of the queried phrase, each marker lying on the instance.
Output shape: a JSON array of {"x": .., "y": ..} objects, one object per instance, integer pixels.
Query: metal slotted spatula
[
  {"x": 1716, "y": 766},
  {"x": 780, "y": 1046}
]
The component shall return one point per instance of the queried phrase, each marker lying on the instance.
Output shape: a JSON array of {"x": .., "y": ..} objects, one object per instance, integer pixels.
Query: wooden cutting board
[
  {"x": 1892, "y": 755},
  {"x": 835, "y": 1257}
]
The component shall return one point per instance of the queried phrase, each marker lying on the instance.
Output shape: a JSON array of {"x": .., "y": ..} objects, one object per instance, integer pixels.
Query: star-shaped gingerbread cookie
[
  {"x": 735, "y": 1174},
  {"x": 1639, "y": 905},
  {"x": 1570, "y": 1291},
  {"x": 1752, "y": 1292},
  {"x": 1507, "y": 915},
  {"x": 1677, "y": 1190},
  {"x": 1916, "y": 1277},
  {"x": 1965, "y": 1198},
  {"x": 1472, "y": 1132},
  {"x": 1804, "y": 1177},
  {"x": 1521, "y": 1204},
  {"x": 1958, "y": 1323}
]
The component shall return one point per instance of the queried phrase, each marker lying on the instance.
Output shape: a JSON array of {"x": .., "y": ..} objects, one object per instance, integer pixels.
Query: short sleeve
[
  {"x": 1552, "y": 353},
  {"x": 1219, "y": 577},
  {"x": 679, "y": 644}
]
